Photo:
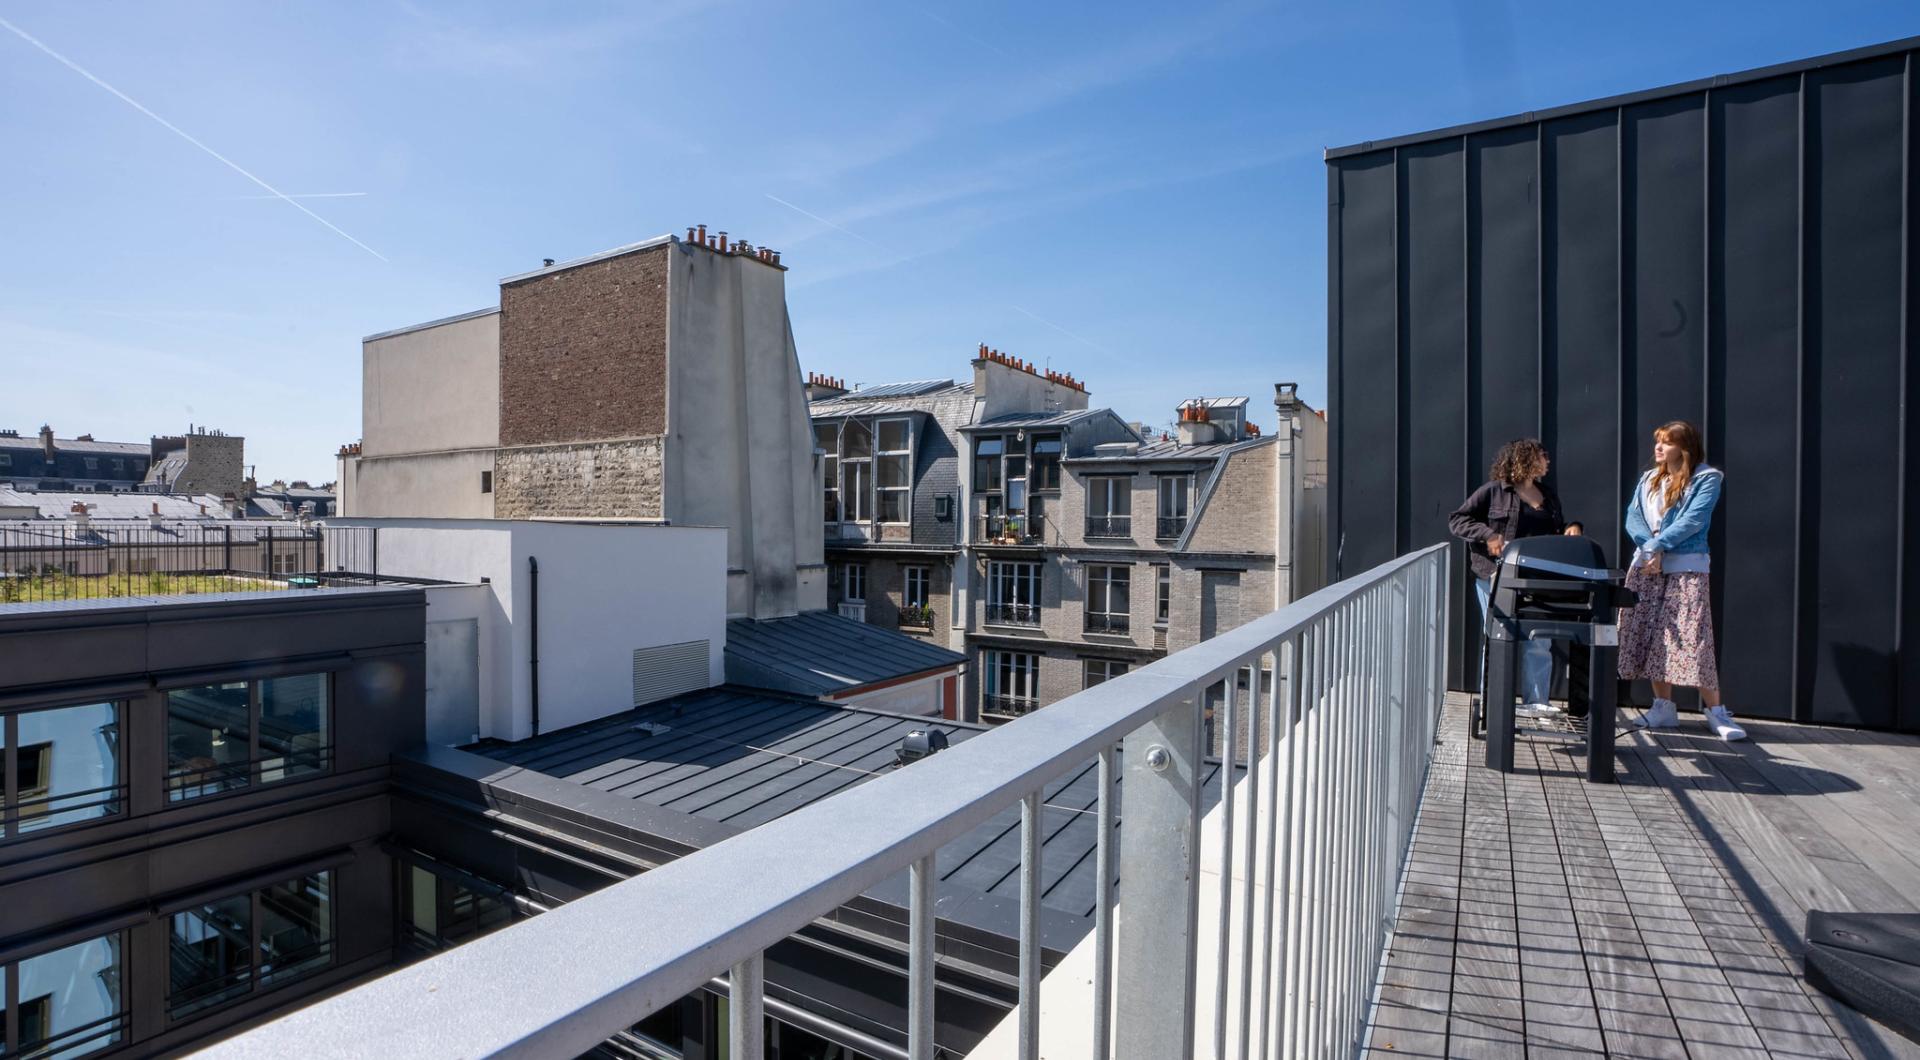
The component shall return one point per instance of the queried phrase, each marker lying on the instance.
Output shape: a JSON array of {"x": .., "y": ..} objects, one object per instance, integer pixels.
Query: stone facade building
[{"x": 655, "y": 381}]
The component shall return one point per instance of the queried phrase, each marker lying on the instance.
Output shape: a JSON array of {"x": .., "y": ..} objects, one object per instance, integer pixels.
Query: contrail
[
  {"x": 1064, "y": 331},
  {"x": 824, "y": 221},
  {"x": 177, "y": 131},
  {"x": 305, "y": 195}
]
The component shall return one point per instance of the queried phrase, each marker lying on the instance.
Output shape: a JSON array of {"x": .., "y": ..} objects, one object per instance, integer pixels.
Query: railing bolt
[{"x": 1158, "y": 759}]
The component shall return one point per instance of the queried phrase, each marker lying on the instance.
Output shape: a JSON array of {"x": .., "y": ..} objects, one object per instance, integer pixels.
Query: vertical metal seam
[
  {"x": 1800, "y": 706},
  {"x": 1540, "y": 281},
  {"x": 1030, "y": 926},
  {"x": 1103, "y": 911},
  {"x": 1906, "y": 309},
  {"x": 920, "y": 966}
]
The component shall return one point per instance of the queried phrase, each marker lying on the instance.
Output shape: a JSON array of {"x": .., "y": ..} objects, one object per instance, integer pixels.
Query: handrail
[{"x": 573, "y": 982}]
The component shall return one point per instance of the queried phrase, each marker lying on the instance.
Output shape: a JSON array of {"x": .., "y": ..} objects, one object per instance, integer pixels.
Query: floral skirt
[{"x": 1668, "y": 635}]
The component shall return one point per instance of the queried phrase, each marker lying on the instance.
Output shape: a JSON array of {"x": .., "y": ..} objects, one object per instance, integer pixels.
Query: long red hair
[{"x": 1687, "y": 437}]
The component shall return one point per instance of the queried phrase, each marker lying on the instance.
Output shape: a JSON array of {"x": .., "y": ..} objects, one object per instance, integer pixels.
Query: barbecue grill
[{"x": 1555, "y": 588}]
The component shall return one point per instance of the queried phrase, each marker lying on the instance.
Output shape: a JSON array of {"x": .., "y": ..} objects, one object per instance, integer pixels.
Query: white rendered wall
[
  {"x": 605, "y": 590},
  {"x": 432, "y": 389}
]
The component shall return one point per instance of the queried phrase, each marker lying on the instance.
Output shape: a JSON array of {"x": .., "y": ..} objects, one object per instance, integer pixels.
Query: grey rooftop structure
[{"x": 819, "y": 653}]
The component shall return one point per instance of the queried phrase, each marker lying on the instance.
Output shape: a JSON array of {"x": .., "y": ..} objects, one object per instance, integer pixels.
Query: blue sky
[{"x": 1132, "y": 194}]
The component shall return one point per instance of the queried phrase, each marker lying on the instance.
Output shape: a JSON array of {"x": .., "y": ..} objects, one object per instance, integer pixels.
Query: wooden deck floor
[{"x": 1658, "y": 917}]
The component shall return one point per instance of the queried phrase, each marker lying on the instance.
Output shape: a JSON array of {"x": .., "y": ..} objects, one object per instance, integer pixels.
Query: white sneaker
[
  {"x": 1720, "y": 720},
  {"x": 1662, "y": 715}
]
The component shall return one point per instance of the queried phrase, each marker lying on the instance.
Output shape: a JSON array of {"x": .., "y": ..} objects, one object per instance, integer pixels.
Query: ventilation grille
[{"x": 668, "y": 670}]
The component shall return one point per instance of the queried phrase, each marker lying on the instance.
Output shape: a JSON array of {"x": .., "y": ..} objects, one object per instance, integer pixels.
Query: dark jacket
[{"x": 1495, "y": 509}]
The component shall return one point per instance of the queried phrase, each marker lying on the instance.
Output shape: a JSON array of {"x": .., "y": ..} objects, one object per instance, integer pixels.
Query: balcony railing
[
  {"x": 72, "y": 559},
  {"x": 1028, "y": 528},
  {"x": 1312, "y": 839},
  {"x": 1008, "y": 706},
  {"x": 1109, "y": 526},
  {"x": 1013, "y": 614},
  {"x": 1101, "y": 623},
  {"x": 1168, "y": 527}
]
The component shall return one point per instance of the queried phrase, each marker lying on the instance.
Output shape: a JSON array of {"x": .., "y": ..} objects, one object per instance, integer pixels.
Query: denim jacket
[{"x": 1684, "y": 528}]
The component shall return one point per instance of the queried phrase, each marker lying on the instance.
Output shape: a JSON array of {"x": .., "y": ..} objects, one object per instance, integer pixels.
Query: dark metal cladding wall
[{"x": 1731, "y": 252}]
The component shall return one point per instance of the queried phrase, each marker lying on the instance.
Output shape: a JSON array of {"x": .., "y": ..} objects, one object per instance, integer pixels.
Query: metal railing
[
  {"x": 1099, "y": 622},
  {"x": 1026, "y": 529},
  {"x": 1336, "y": 752},
  {"x": 1109, "y": 526},
  {"x": 1013, "y": 614},
  {"x": 1167, "y": 527},
  {"x": 44, "y": 560},
  {"x": 1008, "y": 706}
]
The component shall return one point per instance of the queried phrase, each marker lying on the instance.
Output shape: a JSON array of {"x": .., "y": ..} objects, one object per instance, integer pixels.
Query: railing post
[{"x": 1160, "y": 862}]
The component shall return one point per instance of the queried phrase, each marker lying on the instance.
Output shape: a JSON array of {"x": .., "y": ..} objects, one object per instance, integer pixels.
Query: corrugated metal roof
[
  {"x": 1034, "y": 419},
  {"x": 883, "y": 390},
  {"x": 746, "y": 757},
  {"x": 1173, "y": 450},
  {"x": 820, "y": 652}
]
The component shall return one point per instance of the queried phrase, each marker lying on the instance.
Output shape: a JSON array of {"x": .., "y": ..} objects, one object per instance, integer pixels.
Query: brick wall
[
  {"x": 583, "y": 352},
  {"x": 612, "y": 480},
  {"x": 887, "y": 590}
]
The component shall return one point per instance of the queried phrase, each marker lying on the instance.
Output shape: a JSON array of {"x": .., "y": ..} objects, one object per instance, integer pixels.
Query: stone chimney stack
[{"x": 46, "y": 441}]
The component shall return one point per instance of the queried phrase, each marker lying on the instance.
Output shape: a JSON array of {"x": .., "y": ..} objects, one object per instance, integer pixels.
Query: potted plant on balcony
[
  {"x": 918, "y": 616},
  {"x": 1010, "y": 530}
]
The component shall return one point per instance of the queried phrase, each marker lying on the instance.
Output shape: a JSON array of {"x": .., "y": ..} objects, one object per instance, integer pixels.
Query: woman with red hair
[{"x": 1667, "y": 638}]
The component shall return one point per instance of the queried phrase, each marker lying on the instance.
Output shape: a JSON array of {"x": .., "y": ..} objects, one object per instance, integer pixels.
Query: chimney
[
  {"x": 1197, "y": 426},
  {"x": 77, "y": 517},
  {"x": 153, "y": 517},
  {"x": 824, "y": 386},
  {"x": 46, "y": 441}
]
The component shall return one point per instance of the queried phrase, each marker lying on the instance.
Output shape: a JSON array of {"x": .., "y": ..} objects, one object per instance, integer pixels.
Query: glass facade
[
  {"x": 64, "y": 766},
  {"x": 293, "y": 727},
  {"x": 235, "y": 734},
  {"x": 66, "y": 1002},
  {"x": 218, "y": 951}
]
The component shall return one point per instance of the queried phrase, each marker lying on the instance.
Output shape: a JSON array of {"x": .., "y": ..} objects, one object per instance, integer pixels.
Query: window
[
  {"x": 119, "y": 466},
  {"x": 93, "y": 465},
  {"x": 486, "y": 482},
  {"x": 826, "y": 438},
  {"x": 1162, "y": 593},
  {"x": 219, "y": 950},
  {"x": 856, "y": 472},
  {"x": 1045, "y": 467},
  {"x": 6, "y": 459},
  {"x": 1175, "y": 494},
  {"x": 437, "y": 912},
  {"x": 1098, "y": 671},
  {"x": 64, "y": 1003},
  {"x": 1109, "y": 507},
  {"x": 1013, "y": 593},
  {"x": 986, "y": 465},
  {"x": 64, "y": 764},
  {"x": 226, "y": 736},
  {"x": 915, "y": 611},
  {"x": 853, "y": 581},
  {"x": 1011, "y": 683},
  {"x": 894, "y": 476},
  {"x": 1108, "y": 601}
]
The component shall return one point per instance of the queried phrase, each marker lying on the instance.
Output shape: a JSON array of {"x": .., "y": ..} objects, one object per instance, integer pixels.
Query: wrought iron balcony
[
  {"x": 1279, "y": 956},
  {"x": 1013, "y": 614},
  {"x": 1103, "y": 623},
  {"x": 1027, "y": 528},
  {"x": 1168, "y": 527},
  {"x": 1110, "y": 526},
  {"x": 1008, "y": 706}
]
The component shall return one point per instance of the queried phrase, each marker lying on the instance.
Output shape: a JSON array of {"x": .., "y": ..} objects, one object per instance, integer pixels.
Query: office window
[
  {"x": 1044, "y": 472},
  {"x": 1162, "y": 593},
  {"x": 853, "y": 583},
  {"x": 894, "y": 474},
  {"x": 220, "y": 950},
  {"x": 1010, "y": 683},
  {"x": 65, "y": 766},
  {"x": 293, "y": 727},
  {"x": 919, "y": 580},
  {"x": 1108, "y": 600},
  {"x": 826, "y": 438},
  {"x": 64, "y": 1003},
  {"x": 228, "y": 736},
  {"x": 1098, "y": 671},
  {"x": 1013, "y": 593},
  {"x": 1109, "y": 507},
  {"x": 437, "y": 912},
  {"x": 1176, "y": 492}
]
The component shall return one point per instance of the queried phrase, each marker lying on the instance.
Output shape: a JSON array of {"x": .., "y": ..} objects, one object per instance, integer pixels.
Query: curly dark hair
[{"x": 1515, "y": 461}]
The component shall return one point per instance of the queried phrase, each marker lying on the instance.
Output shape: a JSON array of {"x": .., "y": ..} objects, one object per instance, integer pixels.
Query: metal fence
[
  {"x": 1336, "y": 752},
  {"x": 70, "y": 560}
]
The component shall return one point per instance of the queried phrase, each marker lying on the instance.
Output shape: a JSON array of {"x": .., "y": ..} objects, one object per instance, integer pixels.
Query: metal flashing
[
  {"x": 454, "y": 319},
  {"x": 630, "y": 248}
]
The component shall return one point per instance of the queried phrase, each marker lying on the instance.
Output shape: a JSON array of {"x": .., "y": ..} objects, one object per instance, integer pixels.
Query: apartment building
[{"x": 1096, "y": 551}]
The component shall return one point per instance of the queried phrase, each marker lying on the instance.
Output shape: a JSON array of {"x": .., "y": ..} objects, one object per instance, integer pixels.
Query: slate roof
[
  {"x": 889, "y": 399},
  {"x": 74, "y": 445},
  {"x": 817, "y": 653},
  {"x": 107, "y": 504},
  {"x": 745, "y": 757}
]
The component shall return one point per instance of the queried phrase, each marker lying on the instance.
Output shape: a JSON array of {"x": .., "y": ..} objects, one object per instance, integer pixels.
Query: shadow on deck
[{"x": 1661, "y": 916}]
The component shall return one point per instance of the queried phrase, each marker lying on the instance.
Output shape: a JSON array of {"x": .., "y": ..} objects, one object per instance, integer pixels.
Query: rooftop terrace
[{"x": 1660, "y": 916}]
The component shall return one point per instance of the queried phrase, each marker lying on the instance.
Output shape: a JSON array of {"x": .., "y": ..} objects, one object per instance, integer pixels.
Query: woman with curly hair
[
  {"x": 1667, "y": 638},
  {"x": 1515, "y": 502}
]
